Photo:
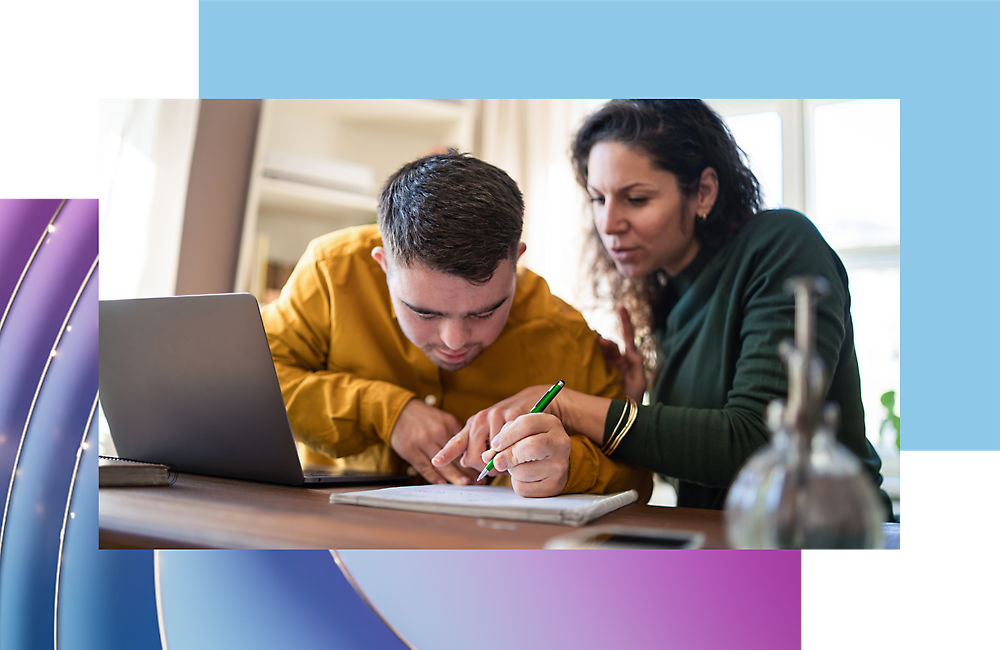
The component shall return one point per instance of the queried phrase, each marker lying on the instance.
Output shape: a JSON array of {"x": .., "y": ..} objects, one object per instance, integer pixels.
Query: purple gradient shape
[
  {"x": 587, "y": 599},
  {"x": 35, "y": 318},
  {"x": 41, "y": 487},
  {"x": 22, "y": 222}
]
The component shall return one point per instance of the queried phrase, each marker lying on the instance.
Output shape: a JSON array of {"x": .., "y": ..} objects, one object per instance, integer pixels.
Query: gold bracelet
[
  {"x": 621, "y": 418},
  {"x": 628, "y": 426},
  {"x": 633, "y": 412},
  {"x": 617, "y": 424},
  {"x": 616, "y": 435}
]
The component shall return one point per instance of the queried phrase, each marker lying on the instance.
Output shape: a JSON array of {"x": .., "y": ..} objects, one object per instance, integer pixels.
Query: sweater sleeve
[
  {"x": 707, "y": 446},
  {"x": 336, "y": 413}
]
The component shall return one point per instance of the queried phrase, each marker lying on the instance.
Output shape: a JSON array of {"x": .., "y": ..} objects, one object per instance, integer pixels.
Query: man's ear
[
  {"x": 378, "y": 254},
  {"x": 521, "y": 247}
]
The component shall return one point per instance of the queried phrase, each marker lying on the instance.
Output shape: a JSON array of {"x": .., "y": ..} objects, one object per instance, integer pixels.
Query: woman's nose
[
  {"x": 611, "y": 221},
  {"x": 454, "y": 333}
]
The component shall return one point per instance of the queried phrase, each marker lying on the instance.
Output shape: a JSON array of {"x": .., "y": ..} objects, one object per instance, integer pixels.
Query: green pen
[{"x": 537, "y": 408}]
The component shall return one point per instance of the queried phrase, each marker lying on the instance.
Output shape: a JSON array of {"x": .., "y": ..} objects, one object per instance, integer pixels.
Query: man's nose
[{"x": 454, "y": 333}]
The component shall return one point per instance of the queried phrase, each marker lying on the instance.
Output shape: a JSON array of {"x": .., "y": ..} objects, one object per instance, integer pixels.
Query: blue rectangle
[{"x": 939, "y": 58}]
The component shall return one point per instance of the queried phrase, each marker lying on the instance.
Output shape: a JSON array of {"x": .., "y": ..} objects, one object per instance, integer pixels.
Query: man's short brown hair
[{"x": 452, "y": 213}]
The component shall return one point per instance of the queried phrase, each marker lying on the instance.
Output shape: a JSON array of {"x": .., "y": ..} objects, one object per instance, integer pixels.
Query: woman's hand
[
  {"x": 534, "y": 450},
  {"x": 481, "y": 428},
  {"x": 628, "y": 364}
]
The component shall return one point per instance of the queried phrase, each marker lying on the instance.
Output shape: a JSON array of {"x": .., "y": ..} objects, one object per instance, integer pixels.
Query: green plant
[{"x": 889, "y": 402}]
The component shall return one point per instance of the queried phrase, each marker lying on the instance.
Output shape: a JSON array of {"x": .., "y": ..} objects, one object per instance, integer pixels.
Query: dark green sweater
[{"x": 720, "y": 365}]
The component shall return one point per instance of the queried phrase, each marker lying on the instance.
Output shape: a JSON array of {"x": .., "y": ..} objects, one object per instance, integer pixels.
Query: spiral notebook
[{"x": 490, "y": 501}]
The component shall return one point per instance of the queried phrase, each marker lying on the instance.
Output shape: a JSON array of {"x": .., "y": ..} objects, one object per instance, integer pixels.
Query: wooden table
[{"x": 206, "y": 512}]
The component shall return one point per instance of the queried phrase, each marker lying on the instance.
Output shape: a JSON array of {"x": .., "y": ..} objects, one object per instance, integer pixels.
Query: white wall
[{"x": 145, "y": 161}]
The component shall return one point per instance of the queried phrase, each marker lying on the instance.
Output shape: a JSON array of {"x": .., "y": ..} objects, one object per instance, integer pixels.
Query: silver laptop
[{"x": 188, "y": 381}]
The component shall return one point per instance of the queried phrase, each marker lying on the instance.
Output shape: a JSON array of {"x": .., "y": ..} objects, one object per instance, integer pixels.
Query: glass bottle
[{"x": 803, "y": 489}]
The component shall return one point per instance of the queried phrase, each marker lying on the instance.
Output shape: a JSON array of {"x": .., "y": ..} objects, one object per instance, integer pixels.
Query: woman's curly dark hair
[{"x": 683, "y": 137}]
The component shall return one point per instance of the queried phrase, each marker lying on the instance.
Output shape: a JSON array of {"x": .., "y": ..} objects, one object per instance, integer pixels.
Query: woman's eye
[
  {"x": 637, "y": 200},
  {"x": 597, "y": 199}
]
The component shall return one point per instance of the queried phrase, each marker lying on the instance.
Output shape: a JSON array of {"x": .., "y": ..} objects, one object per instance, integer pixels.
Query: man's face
[{"x": 451, "y": 320}]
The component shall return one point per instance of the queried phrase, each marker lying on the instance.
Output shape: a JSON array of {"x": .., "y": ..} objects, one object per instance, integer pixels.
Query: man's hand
[
  {"x": 481, "y": 428},
  {"x": 628, "y": 364},
  {"x": 419, "y": 433},
  {"x": 534, "y": 450}
]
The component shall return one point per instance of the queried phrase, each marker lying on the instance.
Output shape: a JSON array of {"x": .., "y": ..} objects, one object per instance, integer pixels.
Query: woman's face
[{"x": 643, "y": 218}]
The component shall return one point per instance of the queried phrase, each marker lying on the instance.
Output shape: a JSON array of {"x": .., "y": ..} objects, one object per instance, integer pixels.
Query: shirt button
[{"x": 430, "y": 400}]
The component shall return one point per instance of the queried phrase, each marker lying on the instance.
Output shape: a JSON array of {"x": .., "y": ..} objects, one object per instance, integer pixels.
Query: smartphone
[{"x": 627, "y": 537}]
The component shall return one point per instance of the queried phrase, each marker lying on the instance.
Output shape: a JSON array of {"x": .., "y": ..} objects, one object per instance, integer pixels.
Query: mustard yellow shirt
[{"x": 347, "y": 370}]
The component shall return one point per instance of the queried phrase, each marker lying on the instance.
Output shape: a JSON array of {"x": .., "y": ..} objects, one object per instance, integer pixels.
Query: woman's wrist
[{"x": 582, "y": 413}]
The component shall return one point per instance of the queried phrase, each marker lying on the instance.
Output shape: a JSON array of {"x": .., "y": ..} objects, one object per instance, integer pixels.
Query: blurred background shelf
[
  {"x": 282, "y": 216},
  {"x": 280, "y": 195}
]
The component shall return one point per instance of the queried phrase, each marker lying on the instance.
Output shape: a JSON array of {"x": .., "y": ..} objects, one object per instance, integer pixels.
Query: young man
[{"x": 387, "y": 339}]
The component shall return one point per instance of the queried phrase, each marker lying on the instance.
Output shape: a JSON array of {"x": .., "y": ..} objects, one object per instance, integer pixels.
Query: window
[
  {"x": 839, "y": 164},
  {"x": 852, "y": 172},
  {"x": 759, "y": 135}
]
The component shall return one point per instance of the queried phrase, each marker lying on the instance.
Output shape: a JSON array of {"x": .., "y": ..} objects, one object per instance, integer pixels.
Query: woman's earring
[{"x": 702, "y": 217}]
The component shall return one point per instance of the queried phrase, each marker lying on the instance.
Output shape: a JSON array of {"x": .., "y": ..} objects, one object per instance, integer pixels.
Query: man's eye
[
  {"x": 426, "y": 316},
  {"x": 484, "y": 316}
]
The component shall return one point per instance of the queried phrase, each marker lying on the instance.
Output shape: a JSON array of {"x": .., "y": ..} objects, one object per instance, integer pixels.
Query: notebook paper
[{"x": 490, "y": 501}]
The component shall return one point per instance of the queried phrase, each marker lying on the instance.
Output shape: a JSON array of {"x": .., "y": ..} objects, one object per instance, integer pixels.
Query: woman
[{"x": 685, "y": 252}]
